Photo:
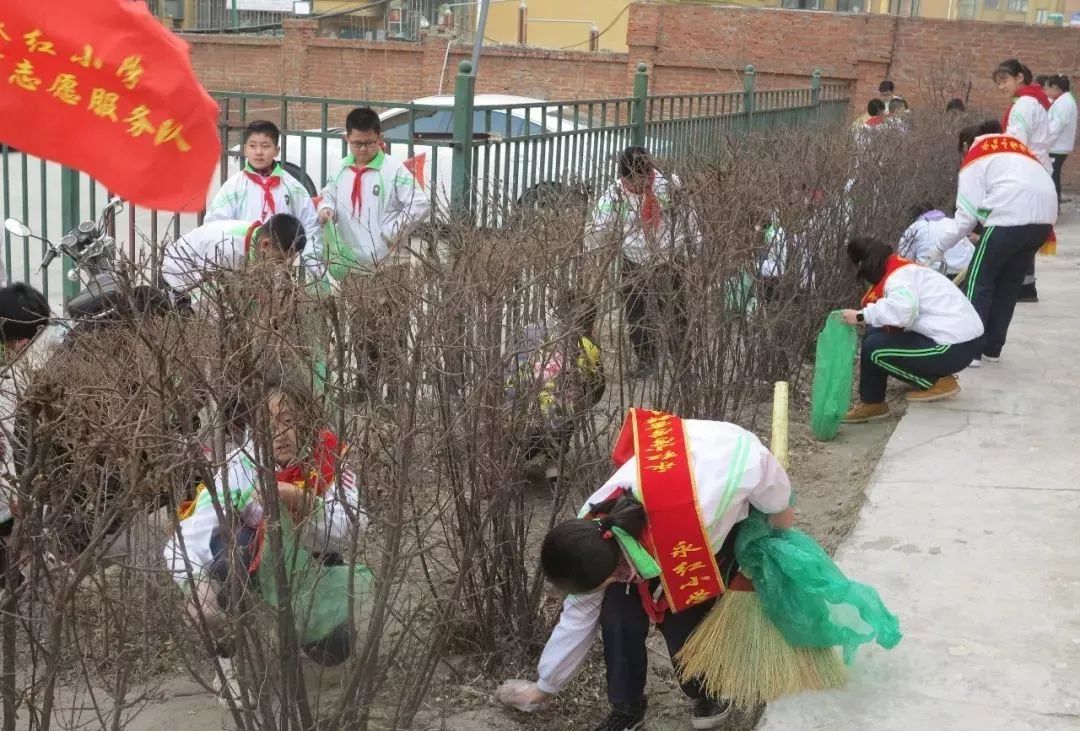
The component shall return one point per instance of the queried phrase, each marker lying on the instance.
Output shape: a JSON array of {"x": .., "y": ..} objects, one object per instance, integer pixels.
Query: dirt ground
[{"x": 830, "y": 481}]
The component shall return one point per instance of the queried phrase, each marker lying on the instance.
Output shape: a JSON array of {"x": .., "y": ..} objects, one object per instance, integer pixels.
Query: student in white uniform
[
  {"x": 919, "y": 240},
  {"x": 1003, "y": 186},
  {"x": 375, "y": 200},
  {"x": 1062, "y": 124},
  {"x": 596, "y": 559},
  {"x": 228, "y": 245},
  {"x": 1028, "y": 120},
  {"x": 922, "y": 329},
  {"x": 263, "y": 188}
]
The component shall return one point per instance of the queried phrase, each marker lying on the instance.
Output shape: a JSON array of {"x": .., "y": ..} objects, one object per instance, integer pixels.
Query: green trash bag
[
  {"x": 739, "y": 294},
  {"x": 806, "y": 596},
  {"x": 340, "y": 258},
  {"x": 834, "y": 369},
  {"x": 320, "y": 594}
]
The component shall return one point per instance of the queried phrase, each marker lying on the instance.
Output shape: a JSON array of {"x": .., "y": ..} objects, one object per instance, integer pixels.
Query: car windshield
[{"x": 440, "y": 123}]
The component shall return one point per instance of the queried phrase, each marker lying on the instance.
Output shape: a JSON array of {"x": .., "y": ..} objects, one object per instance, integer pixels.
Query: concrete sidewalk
[{"x": 971, "y": 532}]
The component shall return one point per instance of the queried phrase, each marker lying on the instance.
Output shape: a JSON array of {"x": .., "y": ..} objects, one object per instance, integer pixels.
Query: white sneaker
[
  {"x": 977, "y": 363},
  {"x": 230, "y": 683},
  {"x": 991, "y": 358}
]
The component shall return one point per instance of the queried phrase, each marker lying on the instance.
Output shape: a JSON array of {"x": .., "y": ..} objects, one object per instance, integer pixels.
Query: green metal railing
[{"x": 483, "y": 159}]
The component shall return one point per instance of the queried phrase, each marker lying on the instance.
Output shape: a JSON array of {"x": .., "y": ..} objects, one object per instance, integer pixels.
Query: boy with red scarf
[
  {"x": 263, "y": 188},
  {"x": 922, "y": 329},
  {"x": 638, "y": 214}
]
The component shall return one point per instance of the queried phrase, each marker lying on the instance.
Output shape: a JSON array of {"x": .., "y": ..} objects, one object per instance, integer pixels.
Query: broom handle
[
  {"x": 959, "y": 279},
  {"x": 779, "y": 439}
]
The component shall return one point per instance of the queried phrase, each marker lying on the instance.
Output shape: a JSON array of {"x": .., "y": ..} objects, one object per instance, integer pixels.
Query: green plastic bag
[
  {"x": 320, "y": 593},
  {"x": 340, "y": 259},
  {"x": 806, "y": 596},
  {"x": 739, "y": 294},
  {"x": 834, "y": 369}
]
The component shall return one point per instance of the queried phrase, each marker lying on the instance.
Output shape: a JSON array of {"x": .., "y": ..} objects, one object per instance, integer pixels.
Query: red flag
[
  {"x": 102, "y": 86},
  {"x": 415, "y": 165}
]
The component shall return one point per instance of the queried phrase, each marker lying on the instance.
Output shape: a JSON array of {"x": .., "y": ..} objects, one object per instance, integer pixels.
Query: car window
[{"x": 396, "y": 128}]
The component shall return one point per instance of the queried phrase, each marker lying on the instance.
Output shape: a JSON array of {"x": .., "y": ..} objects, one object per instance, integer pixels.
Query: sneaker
[
  {"x": 1028, "y": 293},
  {"x": 624, "y": 718},
  {"x": 864, "y": 413},
  {"x": 943, "y": 388},
  {"x": 992, "y": 358},
  {"x": 977, "y": 363},
  {"x": 709, "y": 713},
  {"x": 231, "y": 687}
]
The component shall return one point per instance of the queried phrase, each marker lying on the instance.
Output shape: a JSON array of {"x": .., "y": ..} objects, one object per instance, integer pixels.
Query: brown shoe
[
  {"x": 946, "y": 387},
  {"x": 864, "y": 413}
]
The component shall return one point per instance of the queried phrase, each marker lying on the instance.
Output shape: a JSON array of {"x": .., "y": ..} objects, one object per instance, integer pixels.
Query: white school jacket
[
  {"x": 212, "y": 246},
  {"x": 924, "y": 301},
  {"x": 14, "y": 380},
  {"x": 392, "y": 204},
  {"x": 1063, "y": 124},
  {"x": 719, "y": 452},
  {"x": 617, "y": 219},
  {"x": 922, "y": 236},
  {"x": 329, "y": 529},
  {"x": 1029, "y": 122},
  {"x": 1000, "y": 189},
  {"x": 240, "y": 199}
]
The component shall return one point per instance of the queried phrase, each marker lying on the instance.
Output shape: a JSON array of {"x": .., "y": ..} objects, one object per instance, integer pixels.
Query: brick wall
[{"x": 688, "y": 48}]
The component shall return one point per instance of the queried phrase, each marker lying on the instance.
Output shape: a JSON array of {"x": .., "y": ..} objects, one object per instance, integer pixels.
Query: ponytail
[
  {"x": 1012, "y": 67},
  {"x": 579, "y": 555}
]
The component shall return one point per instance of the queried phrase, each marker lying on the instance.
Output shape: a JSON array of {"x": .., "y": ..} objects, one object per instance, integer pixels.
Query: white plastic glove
[
  {"x": 523, "y": 695},
  {"x": 934, "y": 256}
]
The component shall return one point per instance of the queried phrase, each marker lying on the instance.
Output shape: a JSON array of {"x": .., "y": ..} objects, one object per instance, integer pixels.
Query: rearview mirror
[{"x": 15, "y": 227}]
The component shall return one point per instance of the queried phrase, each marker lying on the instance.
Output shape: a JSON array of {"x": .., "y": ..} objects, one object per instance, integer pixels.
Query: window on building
[
  {"x": 1018, "y": 6},
  {"x": 802, "y": 4},
  {"x": 965, "y": 9},
  {"x": 991, "y": 4},
  {"x": 1040, "y": 16},
  {"x": 849, "y": 6}
]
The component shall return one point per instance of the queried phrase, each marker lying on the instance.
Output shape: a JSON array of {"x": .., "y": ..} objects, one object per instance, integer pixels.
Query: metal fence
[{"x": 483, "y": 158}]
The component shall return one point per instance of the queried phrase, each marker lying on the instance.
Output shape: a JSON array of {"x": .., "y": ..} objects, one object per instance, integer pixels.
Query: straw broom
[{"x": 737, "y": 652}]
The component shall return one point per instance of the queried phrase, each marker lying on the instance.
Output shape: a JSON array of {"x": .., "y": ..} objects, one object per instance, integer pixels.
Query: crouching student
[
  {"x": 922, "y": 329},
  {"x": 919, "y": 240},
  {"x": 321, "y": 517},
  {"x": 654, "y": 545}
]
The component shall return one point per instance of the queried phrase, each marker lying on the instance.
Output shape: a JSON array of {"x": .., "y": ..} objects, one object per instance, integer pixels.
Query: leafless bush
[{"x": 411, "y": 363}]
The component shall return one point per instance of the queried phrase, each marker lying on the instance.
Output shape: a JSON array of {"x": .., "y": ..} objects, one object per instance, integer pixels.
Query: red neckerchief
[
  {"x": 875, "y": 120},
  {"x": 249, "y": 236},
  {"x": 267, "y": 183},
  {"x": 1035, "y": 92},
  {"x": 650, "y": 205},
  {"x": 876, "y": 292},
  {"x": 317, "y": 473},
  {"x": 359, "y": 172}
]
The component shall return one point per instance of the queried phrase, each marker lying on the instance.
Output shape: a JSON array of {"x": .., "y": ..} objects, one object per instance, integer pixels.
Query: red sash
[
  {"x": 996, "y": 144},
  {"x": 688, "y": 569},
  {"x": 876, "y": 292}
]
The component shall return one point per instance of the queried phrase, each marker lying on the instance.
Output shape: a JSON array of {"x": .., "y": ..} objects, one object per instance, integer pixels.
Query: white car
[{"x": 523, "y": 147}]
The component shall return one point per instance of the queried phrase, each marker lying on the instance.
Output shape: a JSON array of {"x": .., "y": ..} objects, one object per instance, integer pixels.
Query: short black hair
[
  {"x": 1012, "y": 67},
  {"x": 24, "y": 311},
  {"x": 896, "y": 104},
  {"x": 1041, "y": 79},
  {"x": 363, "y": 119},
  {"x": 968, "y": 134},
  {"x": 1060, "y": 81},
  {"x": 634, "y": 160},
  {"x": 885, "y": 87},
  {"x": 875, "y": 107},
  {"x": 869, "y": 255},
  {"x": 579, "y": 555},
  {"x": 263, "y": 127},
  {"x": 286, "y": 232},
  {"x": 956, "y": 105}
]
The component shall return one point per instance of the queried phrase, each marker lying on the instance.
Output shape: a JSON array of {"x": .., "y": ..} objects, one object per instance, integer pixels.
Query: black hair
[
  {"x": 956, "y": 105},
  {"x": 968, "y": 134},
  {"x": 581, "y": 554},
  {"x": 885, "y": 87},
  {"x": 286, "y": 233},
  {"x": 263, "y": 127},
  {"x": 634, "y": 160},
  {"x": 1041, "y": 79},
  {"x": 363, "y": 119},
  {"x": 24, "y": 311},
  {"x": 896, "y": 104},
  {"x": 875, "y": 107},
  {"x": 1061, "y": 81},
  {"x": 1012, "y": 67},
  {"x": 869, "y": 255}
]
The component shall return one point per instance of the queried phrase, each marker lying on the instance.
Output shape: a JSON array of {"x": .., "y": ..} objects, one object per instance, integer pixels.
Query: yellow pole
[{"x": 780, "y": 423}]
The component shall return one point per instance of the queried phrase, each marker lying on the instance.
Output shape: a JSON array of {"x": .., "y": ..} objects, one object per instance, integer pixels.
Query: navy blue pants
[
  {"x": 996, "y": 274},
  {"x": 909, "y": 356}
]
